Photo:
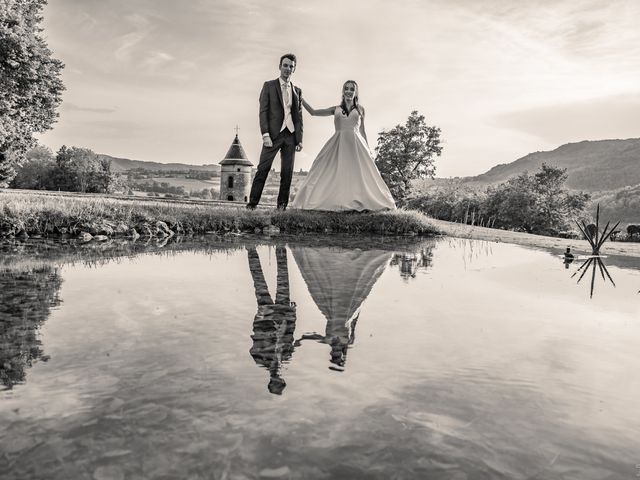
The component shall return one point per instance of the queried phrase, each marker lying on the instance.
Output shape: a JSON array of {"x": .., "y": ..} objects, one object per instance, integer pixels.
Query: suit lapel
[{"x": 279, "y": 90}]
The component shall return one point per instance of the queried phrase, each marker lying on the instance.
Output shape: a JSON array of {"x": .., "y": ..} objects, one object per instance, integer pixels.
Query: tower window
[
  {"x": 237, "y": 169},
  {"x": 230, "y": 198},
  {"x": 230, "y": 182}
]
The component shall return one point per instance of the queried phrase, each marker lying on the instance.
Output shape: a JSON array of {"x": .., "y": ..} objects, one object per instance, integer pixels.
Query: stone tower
[{"x": 235, "y": 175}]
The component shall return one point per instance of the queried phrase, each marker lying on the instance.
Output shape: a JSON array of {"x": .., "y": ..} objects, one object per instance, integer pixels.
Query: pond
[{"x": 324, "y": 357}]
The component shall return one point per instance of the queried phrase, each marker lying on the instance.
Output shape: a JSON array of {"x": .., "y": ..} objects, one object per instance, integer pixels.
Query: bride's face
[{"x": 349, "y": 91}]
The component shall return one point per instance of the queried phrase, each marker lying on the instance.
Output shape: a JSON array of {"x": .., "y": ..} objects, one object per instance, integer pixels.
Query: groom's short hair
[{"x": 290, "y": 56}]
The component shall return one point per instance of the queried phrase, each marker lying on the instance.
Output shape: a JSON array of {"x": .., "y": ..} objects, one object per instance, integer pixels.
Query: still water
[{"x": 319, "y": 358}]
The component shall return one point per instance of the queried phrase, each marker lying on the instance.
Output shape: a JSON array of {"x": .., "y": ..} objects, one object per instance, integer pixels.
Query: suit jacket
[{"x": 272, "y": 110}]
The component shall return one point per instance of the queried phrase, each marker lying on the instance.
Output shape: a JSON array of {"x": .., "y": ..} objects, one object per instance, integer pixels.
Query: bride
[{"x": 343, "y": 176}]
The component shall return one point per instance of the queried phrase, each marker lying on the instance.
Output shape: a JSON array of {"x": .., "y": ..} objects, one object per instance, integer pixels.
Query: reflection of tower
[
  {"x": 235, "y": 174},
  {"x": 275, "y": 322},
  {"x": 339, "y": 281},
  {"x": 25, "y": 302}
]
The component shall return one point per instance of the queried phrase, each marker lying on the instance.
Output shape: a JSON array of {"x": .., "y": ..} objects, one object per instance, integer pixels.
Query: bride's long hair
[{"x": 343, "y": 104}]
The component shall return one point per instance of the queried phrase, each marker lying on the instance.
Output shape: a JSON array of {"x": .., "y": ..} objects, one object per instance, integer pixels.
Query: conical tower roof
[{"x": 235, "y": 155}]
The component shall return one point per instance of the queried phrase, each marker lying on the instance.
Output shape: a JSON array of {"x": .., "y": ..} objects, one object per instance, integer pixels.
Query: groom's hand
[
  {"x": 298, "y": 147},
  {"x": 266, "y": 141}
]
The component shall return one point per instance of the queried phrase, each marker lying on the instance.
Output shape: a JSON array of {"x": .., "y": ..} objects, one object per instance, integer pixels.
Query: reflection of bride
[{"x": 339, "y": 281}]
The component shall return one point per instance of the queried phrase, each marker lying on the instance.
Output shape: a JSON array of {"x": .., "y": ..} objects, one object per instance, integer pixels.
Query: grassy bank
[{"x": 99, "y": 217}]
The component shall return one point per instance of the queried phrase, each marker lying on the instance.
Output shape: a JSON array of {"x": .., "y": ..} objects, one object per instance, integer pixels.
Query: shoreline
[
  {"x": 94, "y": 217},
  {"x": 24, "y": 214},
  {"x": 631, "y": 249}
]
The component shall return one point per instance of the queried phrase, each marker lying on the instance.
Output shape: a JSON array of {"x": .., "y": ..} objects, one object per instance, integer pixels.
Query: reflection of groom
[
  {"x": 281, "y": 128},
  {"x": 275, "y": 322}
]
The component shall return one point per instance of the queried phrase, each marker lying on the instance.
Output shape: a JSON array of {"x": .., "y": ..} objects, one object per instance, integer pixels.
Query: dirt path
[{"x": 580, "y": 246}]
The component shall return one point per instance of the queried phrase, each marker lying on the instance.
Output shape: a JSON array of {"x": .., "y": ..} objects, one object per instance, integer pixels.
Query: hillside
[
  {"x": 123, "y": 164},
  {"x": 591, "y": 165},
  {"x": 622, "y": 204}
]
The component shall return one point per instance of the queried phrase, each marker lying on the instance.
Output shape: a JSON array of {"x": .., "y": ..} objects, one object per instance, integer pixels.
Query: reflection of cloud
[
  {"x": 77, "y": 108},
  {"x": 608, "y": 117}
]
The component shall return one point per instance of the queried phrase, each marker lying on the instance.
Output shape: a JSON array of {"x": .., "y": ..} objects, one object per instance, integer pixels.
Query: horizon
[
  {"x": 299, "y": 170},
  {"x": 162, "y": 83}
]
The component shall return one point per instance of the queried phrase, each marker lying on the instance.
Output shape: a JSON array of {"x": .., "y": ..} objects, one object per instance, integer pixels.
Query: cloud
[
  {"x": 126, "y": 44},
  {"x": 73, "y": 107},
  {"x": 598, "y": 118}
]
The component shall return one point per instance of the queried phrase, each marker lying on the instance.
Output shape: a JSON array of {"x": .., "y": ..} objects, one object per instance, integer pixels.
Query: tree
[
  {"x": 537, "y": 203},
  {"x": 81, "y": 170},
  {"x": 30, "y": 83},
  {"x": 406, "y": 153},
  {"x": 35, "y": 172}
]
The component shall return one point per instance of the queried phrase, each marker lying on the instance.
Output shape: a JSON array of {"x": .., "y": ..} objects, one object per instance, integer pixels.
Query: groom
[{"x": 281, "y": 127}]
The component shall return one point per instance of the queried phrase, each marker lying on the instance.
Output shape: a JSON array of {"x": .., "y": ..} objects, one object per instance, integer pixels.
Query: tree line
[
  {"x": 534, "y": 203},
  {"x": 71, "y": 169}
]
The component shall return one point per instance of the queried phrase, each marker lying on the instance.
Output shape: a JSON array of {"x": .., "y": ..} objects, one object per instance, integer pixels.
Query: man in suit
[{"x": 281, "y": 127}]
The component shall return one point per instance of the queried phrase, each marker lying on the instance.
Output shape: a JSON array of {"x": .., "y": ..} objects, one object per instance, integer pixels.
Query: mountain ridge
[
  {"x": 119, "y": 164},
  {"x": 592, "y": 165}
]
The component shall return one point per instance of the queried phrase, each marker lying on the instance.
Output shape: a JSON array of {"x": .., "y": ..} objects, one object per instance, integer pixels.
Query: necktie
[{"x": 286, "y": 99}]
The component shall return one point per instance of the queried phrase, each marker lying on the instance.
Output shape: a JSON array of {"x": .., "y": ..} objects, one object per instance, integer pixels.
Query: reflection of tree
[
  {"x": 26, "y": 298},
  {"x": 275, "y": 322},
  {"x": 339, "y": 280},
  {"x": 410, "y": 262}
]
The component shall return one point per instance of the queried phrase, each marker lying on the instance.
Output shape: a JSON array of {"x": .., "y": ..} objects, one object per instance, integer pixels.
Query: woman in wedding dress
[{"x": 343, "y": 176}]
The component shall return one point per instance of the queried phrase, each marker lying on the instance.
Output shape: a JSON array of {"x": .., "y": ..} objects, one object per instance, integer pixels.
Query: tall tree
[
  {"x": 30, "y": 83},
  {"x": 407, "y": 152}
]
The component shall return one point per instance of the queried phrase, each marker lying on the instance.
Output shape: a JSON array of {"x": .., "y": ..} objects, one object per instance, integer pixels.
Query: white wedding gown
[{"x": 343, "y": 176}]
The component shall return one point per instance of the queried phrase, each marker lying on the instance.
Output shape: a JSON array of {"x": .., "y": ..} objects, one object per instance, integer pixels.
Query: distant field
[{"x": 189, "y": 183}]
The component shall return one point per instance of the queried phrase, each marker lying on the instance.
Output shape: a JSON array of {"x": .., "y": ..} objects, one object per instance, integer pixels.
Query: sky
[{"x": 168, "y": 81}]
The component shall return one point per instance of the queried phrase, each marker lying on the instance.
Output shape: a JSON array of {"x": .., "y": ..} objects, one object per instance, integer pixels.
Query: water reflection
[
  {"x": 26, "y": 298},
  {"x": 410, "y": 262},
  {"x": 339, "y": 280},
  {"x": 275, "y": 321},
  {"x": 596, "y": 264}
]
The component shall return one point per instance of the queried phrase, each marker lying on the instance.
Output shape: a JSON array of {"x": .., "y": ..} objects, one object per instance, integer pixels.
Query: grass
[{"x": 34, "y": 213}]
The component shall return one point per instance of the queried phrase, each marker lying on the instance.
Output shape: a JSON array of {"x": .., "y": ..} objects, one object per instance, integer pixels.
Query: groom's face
[{"x": 287, "y": 67}]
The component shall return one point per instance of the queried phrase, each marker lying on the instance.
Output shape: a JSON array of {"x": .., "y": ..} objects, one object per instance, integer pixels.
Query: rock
[
  {"x": 163, "y": 230},
  {"x": 134, "y": 234},
  {"x": 274, "y": 472},
  {"x": 110, "y": 472},
  {"x": 121, "y": 228},
  {"x": 271, "y": 230},
  {"x": 105, "y": 229},
  {"x": 85, "y": 236},
  {"x": 100, "y": 238},
  {"x": 257, "y": 230}
]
